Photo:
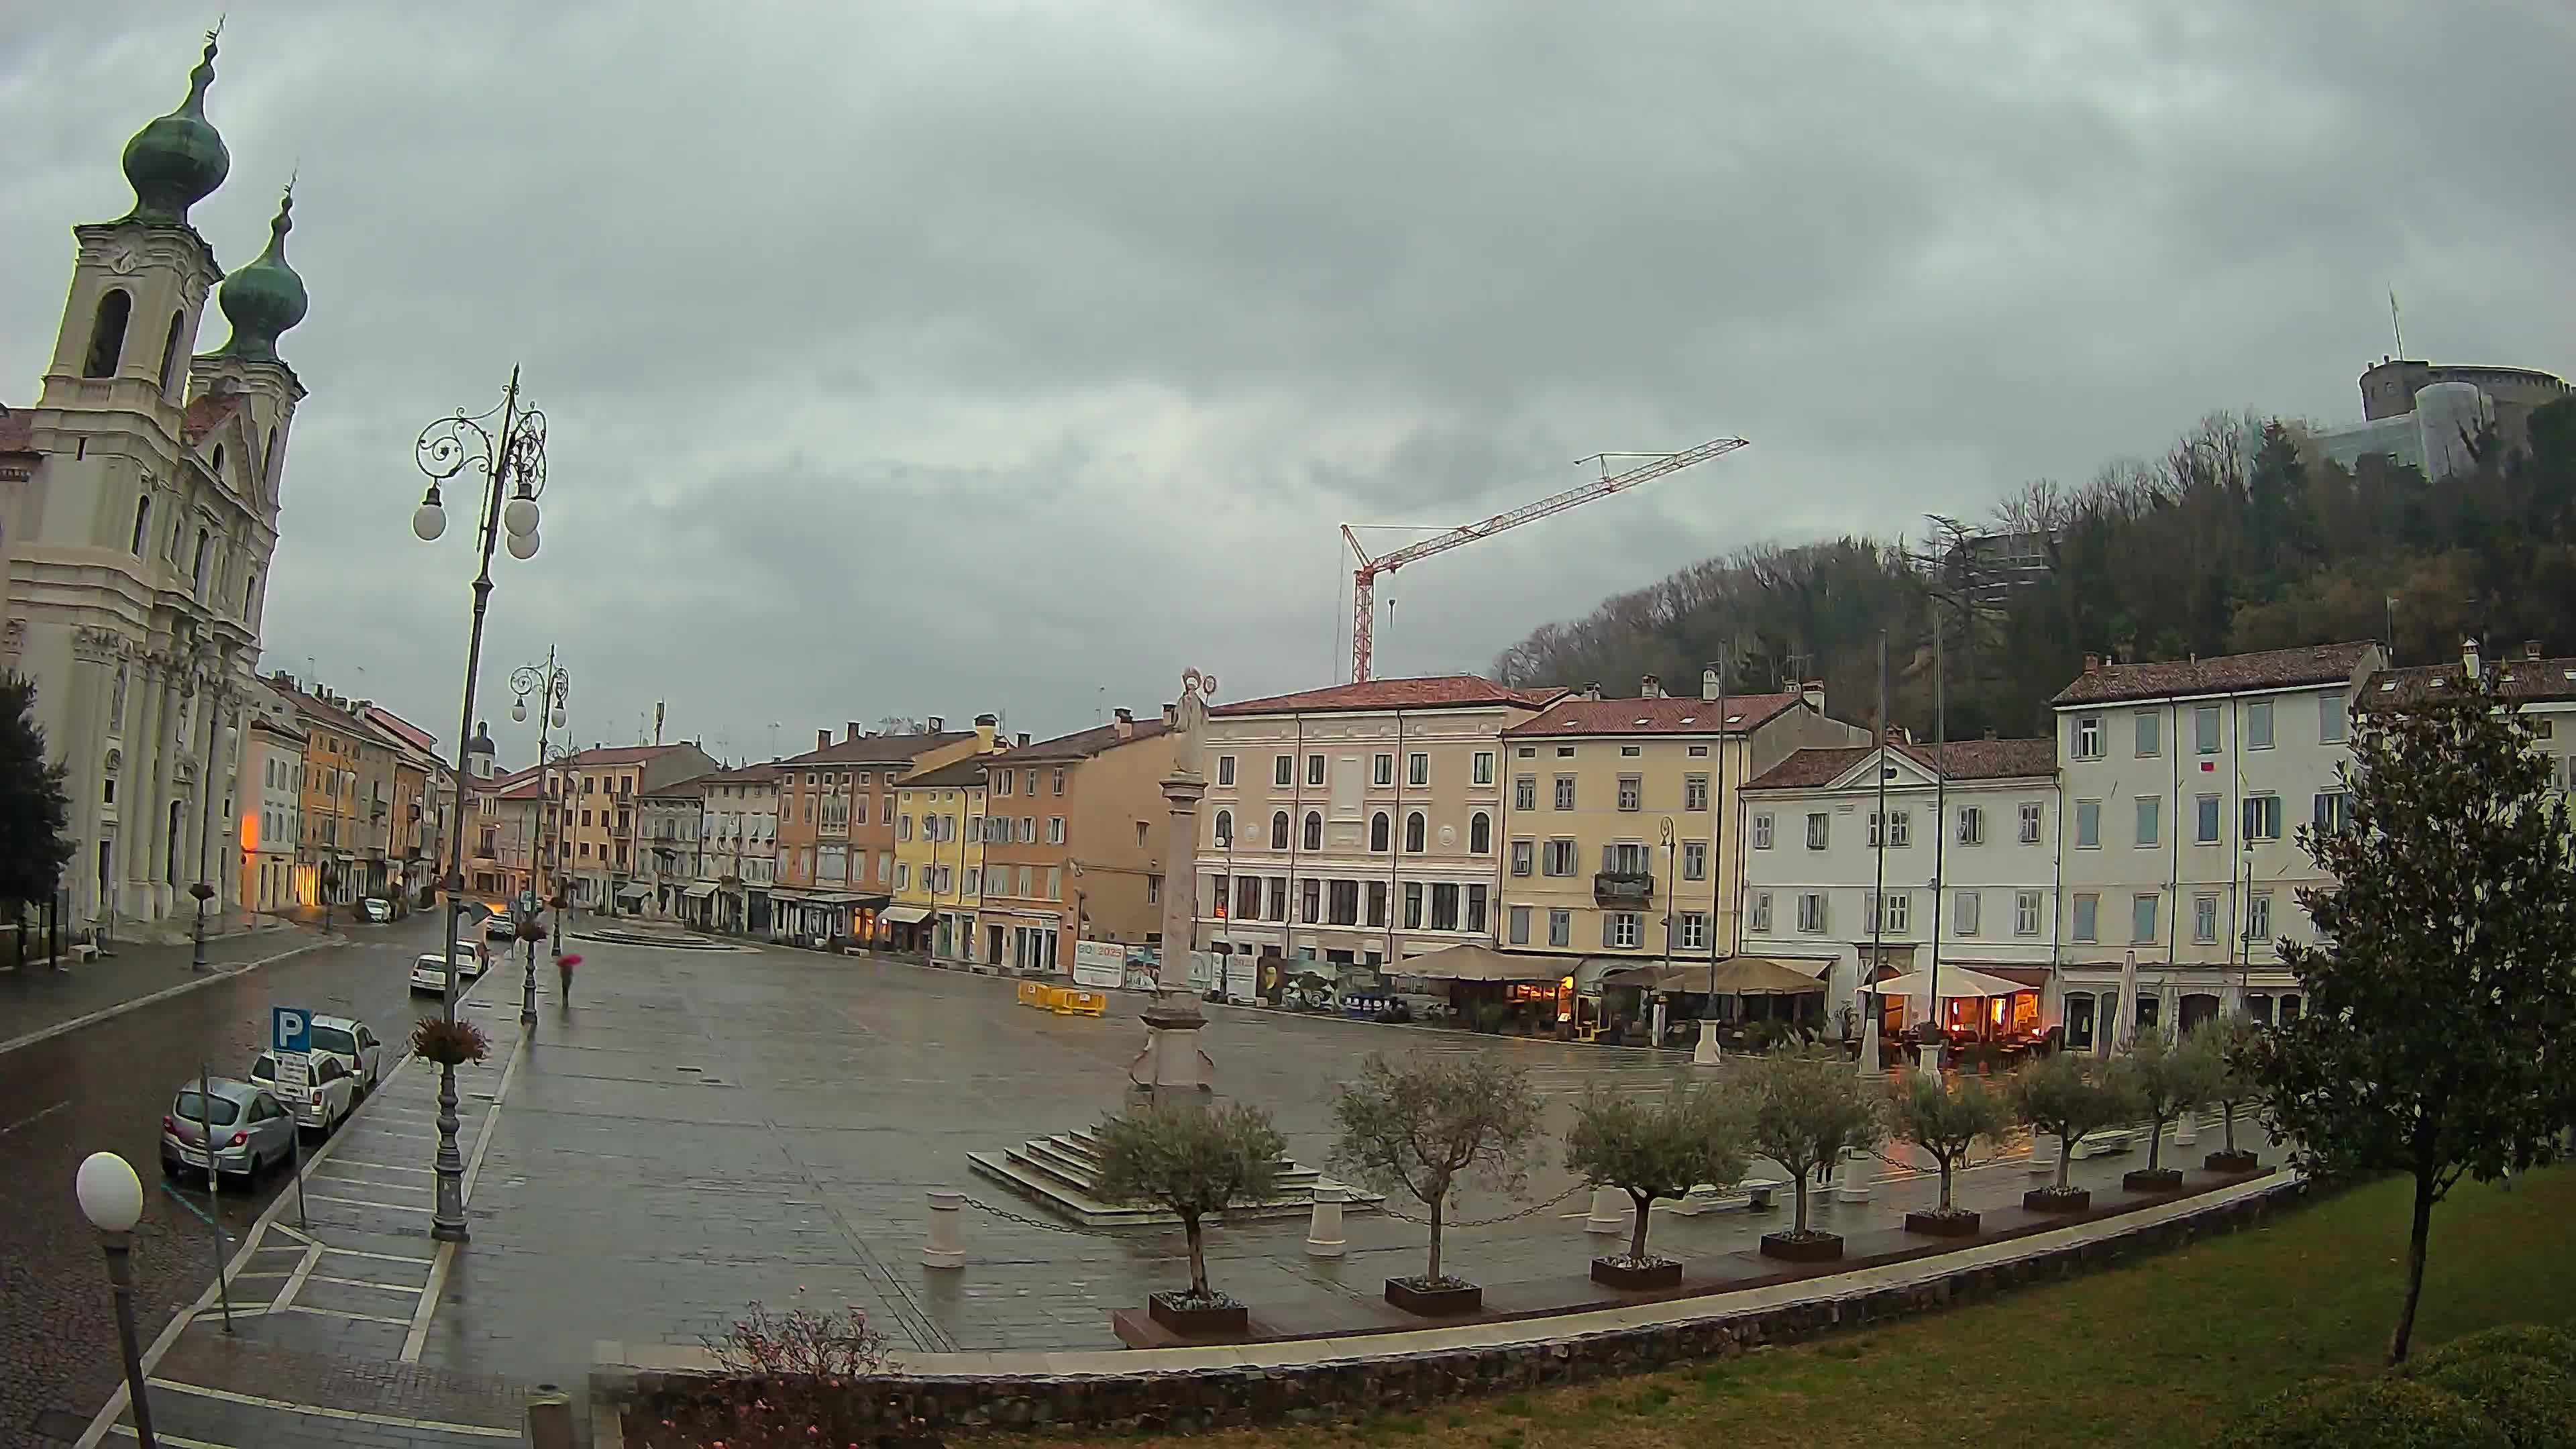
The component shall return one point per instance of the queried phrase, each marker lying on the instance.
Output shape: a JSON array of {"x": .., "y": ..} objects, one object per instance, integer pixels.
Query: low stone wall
[{"x": 1190, "y": 1399}]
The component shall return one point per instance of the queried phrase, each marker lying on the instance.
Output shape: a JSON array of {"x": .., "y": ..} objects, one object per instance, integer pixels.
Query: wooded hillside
[{"x": 2234, "y": 540}]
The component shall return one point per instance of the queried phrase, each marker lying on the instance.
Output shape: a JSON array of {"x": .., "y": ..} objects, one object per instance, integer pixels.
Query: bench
[
  {"x": 1760, "y": 1193},
  {"x": 2109, "y": 1142}
]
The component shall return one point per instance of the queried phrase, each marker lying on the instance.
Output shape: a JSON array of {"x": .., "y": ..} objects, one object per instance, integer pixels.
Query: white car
[
  {"x": 349, "y": 1039},
  {"x": 329, "y": 1095},
  {"x": 429, "y": 969}
]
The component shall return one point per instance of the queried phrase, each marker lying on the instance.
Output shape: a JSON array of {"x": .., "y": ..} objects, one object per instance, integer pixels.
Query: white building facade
[
  {"x": 2184, "y": 784},
  {"x": 139, "y": 502},
  {"x": 1292, "y": 859},
  {"x": 738, "y": 861},
  {"x": 1966, "y": 875}
]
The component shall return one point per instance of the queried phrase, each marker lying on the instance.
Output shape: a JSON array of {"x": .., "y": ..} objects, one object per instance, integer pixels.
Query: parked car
[
  {"x": 500, "y": 931},
  {"x": 251, "y": 1130},
  {"x": 357, "y": 1048},
  {"x": 377, "y": 909},
  {"x": 429, "y": 970},
  {"x": 330, "y": 1095}
]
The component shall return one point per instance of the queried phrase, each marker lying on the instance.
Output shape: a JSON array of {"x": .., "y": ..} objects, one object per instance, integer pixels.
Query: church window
[
  {"x": 107, "y": 333},
  {"x": 218, "y": 468},
  {"x": 142, "y": 519},
  {"x": 170, "y": 353},
  {"x": 205, "y": 550}
]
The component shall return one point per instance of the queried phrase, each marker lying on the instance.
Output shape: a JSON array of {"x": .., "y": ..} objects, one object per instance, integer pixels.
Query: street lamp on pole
[
  {"x": 550, "y": 686},
  {"x": 508, "y": 446},
  {"x": 207, "y": 682},
  {"x": 111, "y": 1197}
]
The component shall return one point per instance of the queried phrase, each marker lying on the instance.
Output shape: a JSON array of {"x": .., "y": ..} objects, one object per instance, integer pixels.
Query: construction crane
[{"x": 1364, "y": 578}]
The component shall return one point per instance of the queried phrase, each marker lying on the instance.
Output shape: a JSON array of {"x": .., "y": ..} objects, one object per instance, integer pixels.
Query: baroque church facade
[{"x": 139, "y": 497}]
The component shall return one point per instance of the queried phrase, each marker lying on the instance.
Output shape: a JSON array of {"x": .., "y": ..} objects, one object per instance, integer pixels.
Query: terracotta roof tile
[
  {"x": 1440, "y": 691},
  {"x": 966, "y": 773},
  {"x": 621, "y": 754},
  {"x": 2227, "y": 673},
  {"x": 2515, "y": 679},
  {"x": 1967, "y": 760},
  {"x": 1081, "y": 744},
  {"x": 207, "y": 413},
  {"x": 1664, "y": 716},
  {"x": 876, "y": 749},
  {"x": 760, "y": 774}
]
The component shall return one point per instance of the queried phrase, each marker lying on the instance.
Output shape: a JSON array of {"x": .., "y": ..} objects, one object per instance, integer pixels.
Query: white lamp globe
[
  {"x": 559, "y": 716},
  {"x": 111, "y": 1196},
  {"x": 523, "y": 545},
  {"x": 519, "y": 711},
  {"x": 519, "y": 515},
  {"x": 428, "y": 521}
]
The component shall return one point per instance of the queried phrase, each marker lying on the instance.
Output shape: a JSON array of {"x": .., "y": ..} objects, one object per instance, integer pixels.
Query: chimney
[
  {"x": 1021, "y": 739},
  {"x": 1708, "y": 686},
  {"x": 985, "y": 726},
  {"x": 2092, "y": 663},
  {"x": 938, "y": 725},
  {"x": 2469, "y": 656},
  {"x": 850, "y": 730},
  {"x": 822, "y": 739},
  {"x": 1813, "y": 692},
  {"x": 1650, "y": 688},
  {"x": 1124, "y": 723},
  {"x": 2530, "y": 648},
  {"x": 1592, "y": 690}
]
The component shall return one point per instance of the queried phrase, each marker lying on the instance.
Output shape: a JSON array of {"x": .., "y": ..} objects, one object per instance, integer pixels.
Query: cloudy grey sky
[{"x": 939, "y": 357}]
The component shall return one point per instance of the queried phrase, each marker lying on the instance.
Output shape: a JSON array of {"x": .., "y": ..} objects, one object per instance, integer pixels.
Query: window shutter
[
  {"x": 1605, "y": 928},
  {"x": 1609, "y": 857}
]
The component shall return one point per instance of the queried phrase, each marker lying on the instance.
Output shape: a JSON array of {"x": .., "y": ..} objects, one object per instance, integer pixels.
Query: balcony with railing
[{"x": 1624, "y": 889}]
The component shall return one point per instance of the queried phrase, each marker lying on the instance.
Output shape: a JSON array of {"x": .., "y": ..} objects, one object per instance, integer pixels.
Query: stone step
[{"x": 1056, "y": 1188}]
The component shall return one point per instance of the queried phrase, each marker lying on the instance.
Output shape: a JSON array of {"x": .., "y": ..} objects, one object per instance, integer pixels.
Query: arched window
[
  {"x": 1413, "y": 826},
  {"x": 1279, "y": 830},
  {"x": 1314, "y": 830},
  {"x": 107, "y": 333},
  {"x": 170, "y": 353},
  {"x": 1378, "y": 831},
  {"x": 142, "y": 521},
  {"x": 205, "y": 548},
  {"x": 268, "y": 461},
  {"x": 217, "y": 468},
  {"x": 1225, "y": 827},
  {"x": 1480, "y": 834},
  {"x": 250, "y": 595}
]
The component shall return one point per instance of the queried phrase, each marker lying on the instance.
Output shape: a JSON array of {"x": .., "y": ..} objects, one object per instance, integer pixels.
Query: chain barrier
[
  {"x": 1402, "y": 1216},
  {"x": 1029, "y": 1222}
]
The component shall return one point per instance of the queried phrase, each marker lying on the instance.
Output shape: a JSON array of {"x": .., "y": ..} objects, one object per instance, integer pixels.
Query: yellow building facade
[
  {"x": 939, "y": 858},
  {"x": 1619, "y": 821}
]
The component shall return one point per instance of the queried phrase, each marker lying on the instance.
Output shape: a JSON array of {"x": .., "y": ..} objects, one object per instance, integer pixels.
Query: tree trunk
[
  {"x": 1802, "y": 1202},
  {"x": 2417, "y": 1234},
  {"x": 1945, "y": 1184},
  {"x": 1637, "y": 1234},
  {"x": 2227, "y": 1124},
  {"x": 1198, "y": 1254},
  {"x": 1433, "y": 1274},
  {"x": 2155, "y": 1143},
  {"x": 2065, "y": 1159}
]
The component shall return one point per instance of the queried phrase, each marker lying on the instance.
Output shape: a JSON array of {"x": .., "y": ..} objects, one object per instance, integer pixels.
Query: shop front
[{"x": 904, "y": 928}]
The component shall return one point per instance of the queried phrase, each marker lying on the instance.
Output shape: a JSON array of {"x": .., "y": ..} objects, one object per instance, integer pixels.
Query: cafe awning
[
  {"x": 904, "y": 915},
  {"x": 1477, "y": 963},
  {"x": 1735, "y": 976},
  {"x": 633, "y": 892},
  {"x": 1957, "y": 982},
  {"x": 699, "y": 892}
]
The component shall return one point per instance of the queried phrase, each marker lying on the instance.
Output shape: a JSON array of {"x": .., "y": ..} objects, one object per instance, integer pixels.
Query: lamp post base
[
  {"x": 1705, "y": 1054},
  {"x": 447, "y": 1222},
  {"x": 120, "y": 1282},
  {"x": 1172, "y": 1064}
]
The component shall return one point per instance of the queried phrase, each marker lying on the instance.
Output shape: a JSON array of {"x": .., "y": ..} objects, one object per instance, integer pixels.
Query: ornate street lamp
[
  {"x": 550, "y": 686},
  {"x": 508, "y": 446}
]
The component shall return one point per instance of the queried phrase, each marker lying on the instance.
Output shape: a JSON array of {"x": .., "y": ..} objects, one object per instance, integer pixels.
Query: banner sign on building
[{"x": 1099, "y": 965}]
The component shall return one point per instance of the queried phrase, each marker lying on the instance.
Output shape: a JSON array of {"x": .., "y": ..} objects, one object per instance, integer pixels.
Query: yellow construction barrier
[
  {"x": 1074, "y": 1001},
  {"x": 1033, "y": 994}
]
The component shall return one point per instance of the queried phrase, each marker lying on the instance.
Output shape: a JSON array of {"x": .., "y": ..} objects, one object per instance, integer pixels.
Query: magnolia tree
[
  {"x": 1947, "y": 1119},
  {"x": 1658, "y": 1149},
  {"x": 1432, "y": 1124},
  {"x": 1808, "y": 1110},
  {"x": 2168, "y": 1078},
  {"x": 1193, "y": 1161},
  {"x": 2440, "y": 1036},
  {"x": 2229, "y": 1043},
  {"x": 2063, "y": 1097}
]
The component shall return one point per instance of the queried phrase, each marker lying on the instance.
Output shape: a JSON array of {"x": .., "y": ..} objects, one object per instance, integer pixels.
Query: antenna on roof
[{"x": 2396, "y": 322}]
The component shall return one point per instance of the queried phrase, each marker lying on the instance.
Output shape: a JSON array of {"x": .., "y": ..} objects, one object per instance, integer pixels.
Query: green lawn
[{"x": 2161, "y": 1352}]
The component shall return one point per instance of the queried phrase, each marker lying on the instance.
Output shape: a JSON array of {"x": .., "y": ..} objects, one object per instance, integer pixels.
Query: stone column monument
[{"x": 1173, "y": 1062}]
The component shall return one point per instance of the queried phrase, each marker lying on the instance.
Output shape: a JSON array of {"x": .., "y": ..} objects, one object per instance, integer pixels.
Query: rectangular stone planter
[
  {"x": 2152, "y": 1179},
  {"x": 1943, "y": 1225},
  {"x": 1199, "y": 1321},
  {"x": 2050, "y": 1200},
  {"x": 1434, "y": 1302},
  {"x": 2231, "y": 1162},
  {"x": 1827, "y": 1248},
  {"x": 1662, "y": 1273}
]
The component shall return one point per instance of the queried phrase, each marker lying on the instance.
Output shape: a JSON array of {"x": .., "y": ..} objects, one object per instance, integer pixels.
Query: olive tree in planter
[
  {"x": 1947, "y": 1119},
  {"x": 2168, "y": 1077},
  {"x": 1808, "y": 1111},
  {"x": 1425, "y": 1128},
  {"x": 2063, "y": 1097},
  {"x": 1654, "y": 1150},
  {"x": 1193, "y": 1161},
  {"x": 2229, "y": 1042}
]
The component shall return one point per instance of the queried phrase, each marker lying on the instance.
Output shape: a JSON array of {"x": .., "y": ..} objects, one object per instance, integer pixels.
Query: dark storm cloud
[{"x": 935, "y": 358}]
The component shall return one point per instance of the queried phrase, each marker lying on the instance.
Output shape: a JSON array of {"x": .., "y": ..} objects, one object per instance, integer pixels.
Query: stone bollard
[
  {"x": 1858, "y": 1169},
  {"x": 1613, "y": 1211},
  {"x": 946, "y": 1248},
  {"x": 2043, "y": 1155},
  {"x": 2187, "y": 1130},
  {"x": 1324, "y": 1230},
  {"x": 550, "y": 1418}
]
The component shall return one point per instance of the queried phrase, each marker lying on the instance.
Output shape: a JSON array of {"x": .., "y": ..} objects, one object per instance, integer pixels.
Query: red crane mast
[{"x": 1364, "y": 578}]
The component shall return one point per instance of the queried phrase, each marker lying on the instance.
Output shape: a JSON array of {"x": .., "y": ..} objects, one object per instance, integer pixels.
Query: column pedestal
[
  {"x": 1173, "y": 1062},
  {"x": 1705, "y": 1053}
]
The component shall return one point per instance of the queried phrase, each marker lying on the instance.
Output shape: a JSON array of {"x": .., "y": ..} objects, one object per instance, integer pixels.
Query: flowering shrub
[
  {"x": 791, "y": 1378},
  {"x": 449, "y": 1043}
]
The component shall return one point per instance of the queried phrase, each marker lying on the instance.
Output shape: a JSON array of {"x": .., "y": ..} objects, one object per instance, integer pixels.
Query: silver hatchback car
[{"x": 251, "y": 1130}]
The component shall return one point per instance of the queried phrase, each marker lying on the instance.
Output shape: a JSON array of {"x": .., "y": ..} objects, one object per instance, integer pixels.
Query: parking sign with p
[{"x": 290, "y": 1029}]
